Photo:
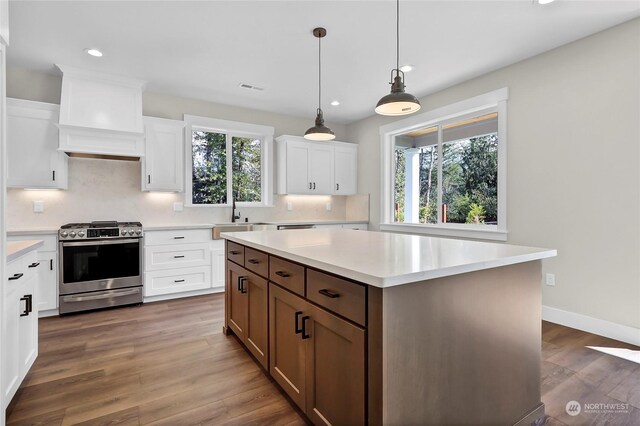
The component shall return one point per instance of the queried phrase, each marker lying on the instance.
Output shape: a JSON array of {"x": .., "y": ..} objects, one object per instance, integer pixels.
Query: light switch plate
[
  {"x": 289, "y": 205},
  {"x": 38, "y": 206},
  {"x": 328, "y": 206},
  {"x": 178, "y": 207},
  {"x": 550, "y": 279}
]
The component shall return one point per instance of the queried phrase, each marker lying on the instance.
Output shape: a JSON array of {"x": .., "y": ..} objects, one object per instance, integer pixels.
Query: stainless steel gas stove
[{"x": 100, "y": 265}]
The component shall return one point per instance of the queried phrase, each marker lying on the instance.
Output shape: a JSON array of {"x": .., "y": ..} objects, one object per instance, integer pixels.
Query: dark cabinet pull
[
  {"x": 297, "y": 320},
  {"x": 53, "y": 175},
  {"x": 234, "y": 252},
  {"x": 314, "y": 185},
  {"x": 309, "y": 185},
  {"x": 243, "y": 287},
  {"x": 283, "y": 274},
  {"x": 51, "y": 264},
  {"x": 179, "y": 256},
  {"x": 178, "y": 281},
  {"x": 304, "y": 327},
  {"x": 178, "y": 238},
  {"x": 29, "y": 302},
  {"x": 34, "y": 264},
  {"x": 328, "y": 293},
  {"x": 253, "y": 261},
  {"x": 148, "y": 178},
  {"x": 337, "y": 187},
  {"x": 26, "y": 306},
  {"x": 15, "y": 277}
]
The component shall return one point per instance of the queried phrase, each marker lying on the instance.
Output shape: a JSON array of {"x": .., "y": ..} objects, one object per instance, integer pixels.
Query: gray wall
[{"x": 573, "y": 166}]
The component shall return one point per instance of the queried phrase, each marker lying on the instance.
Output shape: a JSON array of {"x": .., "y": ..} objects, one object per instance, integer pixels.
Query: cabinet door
[
  {"x": 13, "y": 306},
  {"x": 346, "y": 170},
  {"x": 286, "y": 346},
  {"x": 28, "y": 325},
  {"x": 334, "y": 351},
  {"x": 321, "y": 169},
  {"x": 164, "y": 146},
  {"x": 237, "y": 299},
  {"x": 256, "y": 334},
  {"x": 47, "y": 281},
  {"x": 297, "y": 168},
  {"x": 32, "y": 146}
]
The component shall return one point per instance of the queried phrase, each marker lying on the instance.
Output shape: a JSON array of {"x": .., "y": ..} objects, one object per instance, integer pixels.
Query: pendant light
[
  {"x": 319, "y": 132},
  {"x": 398, "y": 102}
]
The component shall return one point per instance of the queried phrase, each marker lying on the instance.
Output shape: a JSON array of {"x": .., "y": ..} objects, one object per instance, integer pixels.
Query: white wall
[
  {"x": 573, "y": 166},
  {"x": 110, "y": 189}
]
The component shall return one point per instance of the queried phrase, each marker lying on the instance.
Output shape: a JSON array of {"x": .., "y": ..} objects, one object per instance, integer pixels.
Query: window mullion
[
  {"x": 229, "y": 170},
  {"x": 440, "y": 217}
]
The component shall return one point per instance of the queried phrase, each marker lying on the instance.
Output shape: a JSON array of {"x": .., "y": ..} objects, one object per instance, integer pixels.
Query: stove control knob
[
  {"x": 130, "y": 231},
  {"x": 64, "y": 234},
  {"x": 124, "y": 232},
  {"x": 138, "y": 231},
  {"x": 81, "y": 234},
  {"x": 72, "y": 234}
]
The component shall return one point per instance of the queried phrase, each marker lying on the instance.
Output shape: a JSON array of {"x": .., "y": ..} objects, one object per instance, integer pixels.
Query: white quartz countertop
[
  {"x": 384, "y": 259},
  {"x": 18, "y": 248},
  {"x": 174, "y": 227},
  {"x": 33, "y": 231}
]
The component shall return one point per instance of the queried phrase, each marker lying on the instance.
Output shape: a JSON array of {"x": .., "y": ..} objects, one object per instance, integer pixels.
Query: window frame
[
  {"x": 231, "y": 129},
  {"x": 495, "y": 101}
]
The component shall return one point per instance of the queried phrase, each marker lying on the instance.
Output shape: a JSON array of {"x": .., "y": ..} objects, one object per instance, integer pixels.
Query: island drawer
[
  {"x": 288, "y": 274},
  {"x": 343, "y": 297},
  {"x": 235, "y": 253},
  {"x": 256, "y": 261}
]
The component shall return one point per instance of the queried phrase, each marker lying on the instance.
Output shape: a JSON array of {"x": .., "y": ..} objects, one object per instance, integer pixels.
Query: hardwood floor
[
  {"x": 168, "y": 363},
  {"x": 164, "y": 363}
]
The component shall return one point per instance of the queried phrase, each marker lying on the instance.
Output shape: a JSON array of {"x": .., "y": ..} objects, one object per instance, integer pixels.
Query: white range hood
[{"x": 100, "y": 115}]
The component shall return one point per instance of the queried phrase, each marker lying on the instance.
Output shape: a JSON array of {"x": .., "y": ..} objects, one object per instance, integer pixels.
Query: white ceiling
[{"x": 205, "y": 49}]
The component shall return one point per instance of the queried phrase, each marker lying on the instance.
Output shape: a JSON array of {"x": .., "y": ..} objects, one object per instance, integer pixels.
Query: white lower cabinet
[
  {"x": 20, "y": 323},
  {"x": 181, "y": 260}
]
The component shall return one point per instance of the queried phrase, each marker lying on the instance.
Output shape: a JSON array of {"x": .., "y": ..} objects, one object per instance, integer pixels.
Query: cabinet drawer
[
  {"x": 287, "y": 274},
  {"x": 176, "y": 280},
  {"x": 235, "y": 252},
  {"x": 343, "y": 297},
  {"x": 178, "y": 236},
  {"x": 256, "y": 261},
  {"x": 177, "y": 256}
]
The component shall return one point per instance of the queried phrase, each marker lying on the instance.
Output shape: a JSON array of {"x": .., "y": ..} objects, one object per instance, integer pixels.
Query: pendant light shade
[
  {"x": 319, "y": 132},
  {"x": 398, "y": 102}
]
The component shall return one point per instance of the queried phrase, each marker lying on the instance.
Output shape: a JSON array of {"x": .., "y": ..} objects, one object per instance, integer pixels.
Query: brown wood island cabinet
[{"x": 374, "y": 328}]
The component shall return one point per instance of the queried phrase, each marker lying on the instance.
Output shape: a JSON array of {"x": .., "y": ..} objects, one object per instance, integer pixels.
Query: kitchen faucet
[{"x": 233, "y": 212}]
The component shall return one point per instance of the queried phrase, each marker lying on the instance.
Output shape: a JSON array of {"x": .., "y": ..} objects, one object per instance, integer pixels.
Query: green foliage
[
  {"x": 476, "y": 214},
  {"x": 247, "y": 179}
]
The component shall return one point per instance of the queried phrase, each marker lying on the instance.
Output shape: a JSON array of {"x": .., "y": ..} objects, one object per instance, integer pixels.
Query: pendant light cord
[
  {"x": 319, "y": 70},
  {"x": 397, "y": 34}
]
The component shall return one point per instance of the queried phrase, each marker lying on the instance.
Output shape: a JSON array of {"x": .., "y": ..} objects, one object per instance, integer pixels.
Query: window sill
[
  {"x": 485, "y": 232},
  {"x": 239, "y": 205}
]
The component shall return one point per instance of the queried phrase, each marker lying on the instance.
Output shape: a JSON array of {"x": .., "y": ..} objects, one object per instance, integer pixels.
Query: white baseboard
[{"x": 597, "y": 326}]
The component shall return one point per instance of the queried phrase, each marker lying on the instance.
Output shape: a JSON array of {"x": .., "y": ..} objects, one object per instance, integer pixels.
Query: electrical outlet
[
  {"x": 550, "y": 279},
  {"x": 38, "y": 206},
  {"x": 178, "y": 207},
  {"x": 328, "y": 206},
  {"x": 289, "y": 205}
]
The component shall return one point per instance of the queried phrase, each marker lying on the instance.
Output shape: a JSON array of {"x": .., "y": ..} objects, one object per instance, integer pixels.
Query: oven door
[{"x": 100, "y": 265}]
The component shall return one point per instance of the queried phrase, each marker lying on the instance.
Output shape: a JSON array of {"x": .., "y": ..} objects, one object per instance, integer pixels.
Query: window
[
  {"x": 228, "y": 161},
  {"x": 446, "y": 170}
]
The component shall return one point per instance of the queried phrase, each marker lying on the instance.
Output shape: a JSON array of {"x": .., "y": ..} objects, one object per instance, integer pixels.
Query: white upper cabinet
[
  {"x": 163, "y": 165},
  {"x": 100, "y": 114},
  {"x": 346, "y": 169},
  {"x": 4, "y": 22},
  {"x": 320, "y": 168},
  {"x": 32, "y": 146}
]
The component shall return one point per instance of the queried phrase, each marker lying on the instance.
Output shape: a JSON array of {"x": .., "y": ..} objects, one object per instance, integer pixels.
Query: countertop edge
[
  {"x": 17, "y": 249},
  {"x": 37, "y": 231},
  {"x": 386, "y": 282}
]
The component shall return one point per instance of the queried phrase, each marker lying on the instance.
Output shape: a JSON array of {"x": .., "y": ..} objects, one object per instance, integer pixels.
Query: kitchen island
[{"x": 378, "y": 328}]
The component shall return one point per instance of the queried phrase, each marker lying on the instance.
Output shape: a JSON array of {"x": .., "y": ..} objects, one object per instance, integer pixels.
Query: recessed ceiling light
[
  {"x": 544, "y": 1},
  {"x": 94, "y": 52},
  {"x": 406, "y": 68},
  {"x": 335, "y": 103}
]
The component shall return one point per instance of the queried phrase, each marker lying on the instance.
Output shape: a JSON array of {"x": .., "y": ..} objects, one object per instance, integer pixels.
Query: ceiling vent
[{"x": 251, "y": 87}]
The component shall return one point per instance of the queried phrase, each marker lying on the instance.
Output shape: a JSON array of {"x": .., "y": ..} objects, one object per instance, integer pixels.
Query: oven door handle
[
  {"x": 100, "y": 296},
  {"x": 99, "y": 243}
]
